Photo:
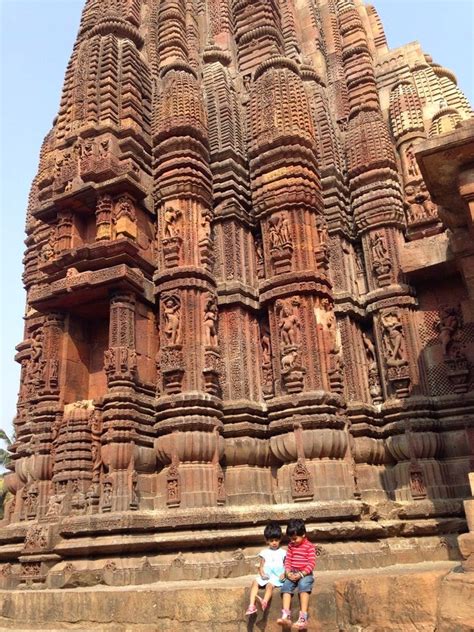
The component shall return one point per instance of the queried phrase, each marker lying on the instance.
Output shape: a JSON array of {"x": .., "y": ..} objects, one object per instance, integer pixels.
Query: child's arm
[
  {"x": 283, "y": 575},
  {"x": 261, "y": 567},
  {"x": 311, "y": 561},
  {"x": 288, "y": 566}
]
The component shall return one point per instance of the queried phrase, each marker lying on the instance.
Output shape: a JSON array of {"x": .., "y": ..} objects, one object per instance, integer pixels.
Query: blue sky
[{"x": 37, "y": 37}]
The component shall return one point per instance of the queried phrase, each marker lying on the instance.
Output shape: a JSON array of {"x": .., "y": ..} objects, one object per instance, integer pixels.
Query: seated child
[
  {"x": 271, "y": 571},
  {"x": 299, "y": 565}
]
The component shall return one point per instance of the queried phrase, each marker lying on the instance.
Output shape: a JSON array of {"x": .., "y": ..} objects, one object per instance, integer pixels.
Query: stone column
[
  {"x": 304, "y": 338},
  {"x": 118, "y": 492},
  {"x": 406, "y": 121},
  {"x": 120, "y": 358},
  {"x": 188, "y": 418}
]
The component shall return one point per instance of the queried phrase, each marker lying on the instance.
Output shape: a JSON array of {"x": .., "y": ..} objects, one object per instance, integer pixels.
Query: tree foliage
[{"x": 5, "y": 458}]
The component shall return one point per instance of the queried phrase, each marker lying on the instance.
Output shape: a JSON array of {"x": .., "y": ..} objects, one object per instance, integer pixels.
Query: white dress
[{"x": 273, "y": 566}]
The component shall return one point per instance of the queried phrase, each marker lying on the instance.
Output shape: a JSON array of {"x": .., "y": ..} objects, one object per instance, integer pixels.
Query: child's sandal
[{"x": 250, "y": 610}]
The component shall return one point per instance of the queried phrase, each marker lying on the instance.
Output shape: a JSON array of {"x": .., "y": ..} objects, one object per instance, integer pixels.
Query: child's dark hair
[
  {"x": 272, "y": 531},
  {"x": 295, "y": 526}
]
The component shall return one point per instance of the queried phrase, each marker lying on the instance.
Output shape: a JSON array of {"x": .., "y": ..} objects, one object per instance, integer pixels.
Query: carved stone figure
[
  {"x": 449, "y": 325},
  {"x": 288, "y": 322},
  {"x": 47, "y": 252},
  {"x": 210, "y": 322},
  {"x": 420, "y": 208},
  {"x": 204, "y": 228},
  {"x": 172, "y": 318},
  {"x": 107, "y": 489},
  {"x": 171, "y": 217},
  {"x": 125, "y": 209},
  {"x": 393, "y": 338},
  {"x": 96, "y": 431},
  {"x": 30, "y": 499},
  {"x": 54, "y": 506},
  {"x": 266, "y": 347},
  {"x": 417, "y": 484},
  {"x": 279, "y": 231},
  {"x": 412, "y": 165},
  {"x": 369, "y": 348},
  {"x": 322, "y": 228},
  {"x": 373, "y": 373},
  {"x": 260, "y": 257},
  {"x": 381, "y": 263}
]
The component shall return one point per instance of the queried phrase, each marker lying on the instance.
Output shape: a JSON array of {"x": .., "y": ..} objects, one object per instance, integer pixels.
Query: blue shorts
[{"x": 305, "y": 585}]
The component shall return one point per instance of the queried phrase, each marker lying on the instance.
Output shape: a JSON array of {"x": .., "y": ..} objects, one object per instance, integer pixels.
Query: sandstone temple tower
[{"x": 233, "y": 309}]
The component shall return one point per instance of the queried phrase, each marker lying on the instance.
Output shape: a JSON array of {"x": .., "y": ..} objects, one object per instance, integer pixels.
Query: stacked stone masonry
[{"x": 220, "y": 328}]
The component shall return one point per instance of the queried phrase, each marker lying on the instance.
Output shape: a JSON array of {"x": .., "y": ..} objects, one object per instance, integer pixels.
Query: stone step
[{"x": 410, "y": 598}]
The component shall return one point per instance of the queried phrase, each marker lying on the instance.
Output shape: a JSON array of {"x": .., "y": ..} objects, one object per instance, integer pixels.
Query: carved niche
[
  {"x": 302, "y": 485},
  {"x": 381, "y": 264},
  {"x": 171, "y": 313},
  {"x": 211, "y": 350},
  {"x": 395, "y": 352},
  {"x": 173, "y": 486},
  {"x": 372, "y": 370},
  {"x": 125, "y": 217},
  {"x": 450, "y": 326},
  {"x": 260, "y": 260},
  {"x": 267, "y": 368},
  {"x": 171, "y": 236},
  {"x": 206, "y": 250},
  {"x": 120, "y": 359},
  {"x": 322, "y": 249},
  {"x": 419, "y": 207},
  {"x": 289, "y": 326},
  {"x": 33, "y": 377},
  {"x": 301, "y": 482},
  {"x": 171, "y": 354},
  {"x": 280, "y": 242},
  {"x": 334, "y": 350}
]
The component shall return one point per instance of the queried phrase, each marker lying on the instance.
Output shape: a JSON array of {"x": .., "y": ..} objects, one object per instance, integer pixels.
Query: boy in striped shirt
[{"x": 299, "y": 565}]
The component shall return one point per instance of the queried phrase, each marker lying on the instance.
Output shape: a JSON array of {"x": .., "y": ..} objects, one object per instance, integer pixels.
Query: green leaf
[
  {"x": 4, "y": 437},
  {"x": 4, "y": 457}
]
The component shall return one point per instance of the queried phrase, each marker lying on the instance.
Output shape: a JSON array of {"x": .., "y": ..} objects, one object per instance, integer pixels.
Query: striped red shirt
[{"x": 300, "y": 557}]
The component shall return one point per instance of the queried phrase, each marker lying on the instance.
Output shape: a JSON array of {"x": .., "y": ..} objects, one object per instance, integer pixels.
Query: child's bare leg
[
  {"x": 268, "y": 592},
  {"x": 253, "y": 592},
  {"x": 286, "y": 601},
  {"x": 304, "y": 602}
]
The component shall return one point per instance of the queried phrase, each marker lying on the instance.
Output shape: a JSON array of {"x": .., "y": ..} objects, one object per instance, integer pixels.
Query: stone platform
[{"x": 424, "y": 597}]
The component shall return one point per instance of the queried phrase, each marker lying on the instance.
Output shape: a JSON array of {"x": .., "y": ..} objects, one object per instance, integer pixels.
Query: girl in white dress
[{"x": 271, "y": 570}]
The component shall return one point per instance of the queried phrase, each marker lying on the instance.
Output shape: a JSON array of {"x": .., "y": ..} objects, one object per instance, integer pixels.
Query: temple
[{"x": 250, "y": 295}]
